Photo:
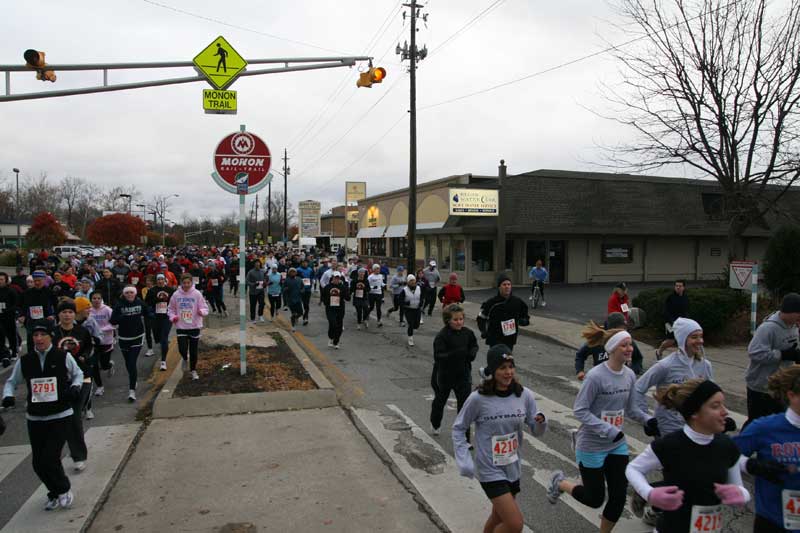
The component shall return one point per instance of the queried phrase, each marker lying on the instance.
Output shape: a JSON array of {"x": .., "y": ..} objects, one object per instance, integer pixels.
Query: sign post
[
  {"x": 744, "y": 275},
  {"x": 754, "y": 300},
  {"x": 241, "y": 162},
  {"x": 354, "y": 191}
]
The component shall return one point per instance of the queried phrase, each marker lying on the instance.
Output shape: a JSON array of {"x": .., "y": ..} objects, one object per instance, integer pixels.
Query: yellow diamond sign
[{"x": 220, "y": 63}]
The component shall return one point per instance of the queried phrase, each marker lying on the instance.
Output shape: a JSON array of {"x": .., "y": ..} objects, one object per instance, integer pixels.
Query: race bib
[
  {"x": 214, "y": 282},
  {"x": 196, "y": 280},
  {"x": 134, "y": 281},
  {"x": 161, "y": 308},
  {"x": 283, "y": 276},
  {"x": 187, "y": 315},
  {"x": 2, "y": 306},
  {"x": 44, "y": 390},
  {"x": 615, "y": 418},
  {"x": 121, "y": 277},
  {"x": 359, "y": 293},
  {"x": 334, "y": 301},
  {"x": 37, "y": 312},
  {"x": 504, "y": 449},
  {"x": 260, "y": 285},
  {"x": 307, "y": 282},
  {"x": 791, "y": 509},
  {"x": 706, "y": 518},
  {"x": 509, "y": 327},
  {"x": 625, "y": 308}
]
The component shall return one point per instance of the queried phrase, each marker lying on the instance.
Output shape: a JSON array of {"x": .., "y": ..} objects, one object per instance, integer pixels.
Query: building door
[
  {"x": 557, "y": 261},
  {"x": 534, "y": 251}
]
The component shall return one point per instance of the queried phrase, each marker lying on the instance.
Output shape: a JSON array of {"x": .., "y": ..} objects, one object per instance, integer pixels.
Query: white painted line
[
  {"x": 107, "y": 446},
  {"x": 11, "y": 457}
]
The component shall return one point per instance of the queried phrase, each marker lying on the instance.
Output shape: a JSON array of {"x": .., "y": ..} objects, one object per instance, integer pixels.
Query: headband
[
  {"x": 615, "y": 340},
  {"x": 128, "y": 290},
  {"x": 698, "y": 397}
]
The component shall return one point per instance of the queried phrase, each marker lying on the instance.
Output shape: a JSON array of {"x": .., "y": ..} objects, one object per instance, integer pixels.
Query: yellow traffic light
[
  {"x": 35, "y": 60},
  {"x": 373, "y": 75}
]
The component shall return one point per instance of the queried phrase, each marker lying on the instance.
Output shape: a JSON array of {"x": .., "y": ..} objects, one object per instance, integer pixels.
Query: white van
[{"x": 68, "y": 251}]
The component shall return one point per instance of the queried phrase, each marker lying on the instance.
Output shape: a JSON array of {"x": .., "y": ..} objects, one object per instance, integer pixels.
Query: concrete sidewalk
[
  {"x": 729, "y": 362},
  {"x": 307, "y": 470}
]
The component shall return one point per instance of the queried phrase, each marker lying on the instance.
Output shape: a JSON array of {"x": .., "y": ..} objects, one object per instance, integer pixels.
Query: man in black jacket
[
  {"x": 9, "y": 302},
  {"x": 37, "y": 304},
  {"x": 501, "y": 316},
  {"x": 676, "y": 306}
]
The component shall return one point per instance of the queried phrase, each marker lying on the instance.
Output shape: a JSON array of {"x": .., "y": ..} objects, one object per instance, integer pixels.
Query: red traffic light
[
  {"x": 35, "y": 60},
  {"x": 373, "y": 75}
]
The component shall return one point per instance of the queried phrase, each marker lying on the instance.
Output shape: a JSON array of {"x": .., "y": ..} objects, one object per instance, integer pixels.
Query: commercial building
[
  {"x": 335, "y": 227},
  {"x": 586, "y": 227}
]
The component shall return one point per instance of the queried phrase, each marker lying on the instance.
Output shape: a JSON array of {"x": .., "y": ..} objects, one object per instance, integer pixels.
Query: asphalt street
[{"x": 385, "y": 372}]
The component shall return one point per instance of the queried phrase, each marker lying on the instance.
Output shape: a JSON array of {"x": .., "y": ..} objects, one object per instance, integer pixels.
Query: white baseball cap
[{"x": 432, "y": 263}]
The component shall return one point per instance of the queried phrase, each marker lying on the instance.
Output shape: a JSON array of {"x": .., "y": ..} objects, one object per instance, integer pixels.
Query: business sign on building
[
  {"x": 474, "y": 202},
  {"x": 372, "y": 216},
  {"x": 354, "y": 191},
  {"x": 310, "y": 220},
  {"x": 352, "y": 214}
]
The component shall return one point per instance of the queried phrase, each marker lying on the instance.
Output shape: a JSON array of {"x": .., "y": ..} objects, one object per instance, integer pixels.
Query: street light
[
  {"x": 164, "y": 212},
  {"x": 16, "y": 213},
  {"x": 128, "y": 196},
  {"x": 144, "y": 209}
]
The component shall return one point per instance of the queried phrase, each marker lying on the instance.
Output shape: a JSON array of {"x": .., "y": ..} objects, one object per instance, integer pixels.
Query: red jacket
[
  {"x": 451, "y": 294},
  {"x": 615, "y": 303}
]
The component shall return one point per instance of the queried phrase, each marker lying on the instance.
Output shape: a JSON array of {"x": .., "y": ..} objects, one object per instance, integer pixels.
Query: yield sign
[
  {"x": 219, "y": 63},
  {"x": 741, "y": 272}
]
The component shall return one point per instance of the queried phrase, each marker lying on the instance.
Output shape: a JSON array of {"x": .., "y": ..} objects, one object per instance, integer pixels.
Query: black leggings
[
  {"x": 274, "y": 305},
  {"x": 101, "y": 360},
  {"x": 188, "y": 339},
  {"x": 375, "y": 302},
  {"x": 256, "y": 302},
  {"x": 412, "y": 319},
  {"x": 593, "y": 493},
  {"x": 130, "y": 352},
  {"x": 362, "y": 310},
  {"x": 461, "y": 387},
  {"x": 149, "y": 334},
  {"x": 306, "y": 295},
  {"x": 335, "y": 319}
]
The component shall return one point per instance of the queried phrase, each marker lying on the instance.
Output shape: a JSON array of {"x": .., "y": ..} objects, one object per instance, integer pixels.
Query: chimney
[{"x": 501, "y": 170}]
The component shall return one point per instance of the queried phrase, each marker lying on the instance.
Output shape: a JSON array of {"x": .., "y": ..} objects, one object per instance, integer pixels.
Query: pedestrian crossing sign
[{"x": 220, "y": 63}]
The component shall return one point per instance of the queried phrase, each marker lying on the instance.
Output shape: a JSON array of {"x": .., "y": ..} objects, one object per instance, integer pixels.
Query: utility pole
[
  {"x": 413, "y": 54},
  {"x": 16, "y": 216},
  {"x": 255, "y": 224},
  {"x": 269, "y": 209},
  {"x": 286, "y": 171}
]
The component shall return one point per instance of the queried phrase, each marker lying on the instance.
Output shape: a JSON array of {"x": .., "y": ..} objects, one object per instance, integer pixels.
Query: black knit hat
[
  {"x": 791, "y": 303},
  {"x": 501, "y": 278},
  {"x": 42, "y": 326},
  {"x": 67, "y": 306},
  {"x": 496, "y": 356}
]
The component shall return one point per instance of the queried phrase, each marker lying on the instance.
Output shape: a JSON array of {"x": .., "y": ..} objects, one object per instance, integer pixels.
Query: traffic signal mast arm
[{"x": 304, "y": 63}]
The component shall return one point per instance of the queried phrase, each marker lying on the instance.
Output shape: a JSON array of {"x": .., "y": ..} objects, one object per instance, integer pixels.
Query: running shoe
[
  {"x": 163, "y": 365},
  {"x": 305, "y": 322},
  {"x": 330, "y": 344},
  {"x": 89, "y": 414},
  {"x": 131, "y": 396},
  {"x": 402, "y": 324},
  {"x": 358, "y": 326},
  {"x": 80, "y": 466},
  {"x": 553, "y": 492},
  {"x": 260, "y": 319},
  {"x": 544, "y": 304},
  {"x": 380, "y": 324},
  {"x": 638, "y": 505},
  {"x": 411, "y": 341},
  {"x": 421, "y": 320},
  {"x": 65, "y": 500},
  {"x": 51, "y": 505},
  {"x": 530, "y": 297},
  {"x": 225, "y": 312},
  {"x": 335, "y": 346},
  {"x": 366, "y": 324},
  {"x": 149, "y": 353},
  {"x": 184, "y": 365},
  {"x": 100, "y": 391},
  {"x": 111, "y": 369},
  {"x": 293, "y": 330},
  {"x": 435, "y": 431},
  {"x": 194, "y": 375}
]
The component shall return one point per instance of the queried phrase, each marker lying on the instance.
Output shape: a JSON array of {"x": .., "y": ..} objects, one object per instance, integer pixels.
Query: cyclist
[{"x": 538, "y": 275}]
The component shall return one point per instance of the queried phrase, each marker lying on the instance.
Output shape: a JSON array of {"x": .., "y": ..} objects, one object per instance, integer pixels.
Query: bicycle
[{"x": 536, "y": 295}]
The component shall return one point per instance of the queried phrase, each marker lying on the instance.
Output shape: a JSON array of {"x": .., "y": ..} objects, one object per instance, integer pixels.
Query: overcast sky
[{"x": 160, "y": 139}]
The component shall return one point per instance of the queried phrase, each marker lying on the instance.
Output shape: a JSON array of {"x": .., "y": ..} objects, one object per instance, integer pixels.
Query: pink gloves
[
  {"x": 666, "y": 498},
  {"x": 729, "y": 494}
]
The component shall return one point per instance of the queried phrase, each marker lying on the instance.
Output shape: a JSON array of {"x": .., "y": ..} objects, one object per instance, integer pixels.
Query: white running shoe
[
  {"x": 225, "y": 312},
  {"x": 80, "y": 466},
  {"x": 260, "y": 319},
  {"x": 149, "y": 353},
  {"x": 358, "y": 326},
  {"x": 421, "y": 320},
  {"x": 163, "y": 365},
  {"x": 111, "y": 369},
  {"x": 131, "y": 395},
  {"x": 65, "y": 500},
  {"x": 435, "y": 431},
  {"x": 530, "y": 297},
  {"x": 194, "y": 375},
  {"x": 330, "y": 344},
  {"x": 411, "y": 341},
  {"x": 51, "y": 505},
  {"x": 335, "y": 346},
  {"x": 100, "y": 391},
  {"x": 89, "y": 414},
  {"x": 553, "y": 492},
  {"x": 544, "y": 304},
  {"x": 366, "y": 324}
]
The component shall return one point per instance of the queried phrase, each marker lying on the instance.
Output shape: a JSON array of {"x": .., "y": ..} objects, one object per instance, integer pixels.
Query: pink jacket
[
  {"x": 102, "y": 316},
  {"x": 187, "y": 308}
]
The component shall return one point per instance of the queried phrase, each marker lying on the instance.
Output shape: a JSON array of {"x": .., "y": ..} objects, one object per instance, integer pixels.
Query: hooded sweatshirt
[
  {"x": 675, "y": 368},
  {"x": 397, "y": 283},
  {"x": 772, "y": 336},
  {"x": 188, "y": 307}
]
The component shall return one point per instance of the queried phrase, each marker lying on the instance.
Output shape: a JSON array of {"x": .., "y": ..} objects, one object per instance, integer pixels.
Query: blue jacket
[
  {"x": 274, "y": 288},
  {"x": 292, "y": 291},
  {"x": 305, "y": 273}
]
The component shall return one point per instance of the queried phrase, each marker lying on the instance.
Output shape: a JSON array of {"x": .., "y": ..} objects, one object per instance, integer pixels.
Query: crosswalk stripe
[
  {"x": 11, "y": 457},
  {"x": 107, "y": 447}
]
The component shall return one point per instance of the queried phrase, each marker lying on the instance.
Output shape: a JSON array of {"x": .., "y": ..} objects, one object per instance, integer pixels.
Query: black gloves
[
  {"x": 772, "y": 471},
  {"x": 75, "y": 393},
  {"x": 619, "y": 437},
  {"x": 2, "y": 425},
  {"x": 8, "y": 401},
  {"x": 791, "y": 353},
  {"x": 730, "y": 424},
  {"x": 651, "y": 428},
  {"x": 524, "y": 321}
]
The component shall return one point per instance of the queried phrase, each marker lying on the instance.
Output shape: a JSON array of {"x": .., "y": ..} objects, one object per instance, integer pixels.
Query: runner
[
  {"x": 454, "y": 349},
  {"x": 216, "y": 284},
  {"x": 274, "y": 289},
  {"x": 412, "y": 306},
  {"x": 149, "y": 329},
  {"x": 293, "y": 296},
  {"x": 501, "y": 316},
  {"x": 376, "y": 288},
  {"x": 109, "y": 287},
  {"x": 776, "y": 466},
  {"x": 700, "y": 464},
  {"x": 333, "y": 295},
  {"x": 432, "y": 278},
  {"x": 359, "y": 292},
  {"x": 397, "y": 283},
  {"x": 773, "y": 346},
  {"x": 306, "y": 275},
  {"x": 604, "y": 400},
  {"x": 186, "y": 310},
  {"x": 255, "y": 290},
  {"x": 598, "y": 353},
  {"x": 83, "y": 318},
  {"x": 157, "y": 300},
  {"x": 129, "y": 316},
  {"x": 53, "y": 379},
  {"x": 498, "y": 408},
  {"x": 101, "y": 313},
  {"x": 619, "y": 302},
  {"x": 9, "y": 299},
  {"x": 538, "y": 275},
  {"x": 452, "y": 293},
  {"x": 37, "y": 304}
]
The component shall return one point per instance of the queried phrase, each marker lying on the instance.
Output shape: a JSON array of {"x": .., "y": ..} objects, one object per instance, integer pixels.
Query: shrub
[
  {"x": 8, "y": 258},
  {"x": 712, "y": 308},
  {"x": 781, "y": 274}
]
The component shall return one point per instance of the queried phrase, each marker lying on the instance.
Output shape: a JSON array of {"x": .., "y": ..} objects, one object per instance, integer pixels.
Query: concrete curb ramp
[{"x": 168, "y": 406}]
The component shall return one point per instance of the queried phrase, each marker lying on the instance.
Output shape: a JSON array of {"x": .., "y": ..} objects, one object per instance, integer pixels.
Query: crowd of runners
[{"x": 73, "y": 313}]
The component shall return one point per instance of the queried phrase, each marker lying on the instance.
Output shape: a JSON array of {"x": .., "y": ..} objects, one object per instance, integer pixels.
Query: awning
[
  {"x": 427, "y": 226},
  {"x": 399, "y": 230},
  {"x": 370, "y": 233}
]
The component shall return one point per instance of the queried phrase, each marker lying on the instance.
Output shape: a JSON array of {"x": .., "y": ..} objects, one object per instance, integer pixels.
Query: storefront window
[
  {"x": 433, "y": 251},
  {"x": 445, "y": 254},
  {"x": 397, "y": 246},
  {"x": 459, "y": 257},
  {"x": 374, "y": 246},
  {"x": 483, "y": 255},
  {"x": 509, "y": 255}
]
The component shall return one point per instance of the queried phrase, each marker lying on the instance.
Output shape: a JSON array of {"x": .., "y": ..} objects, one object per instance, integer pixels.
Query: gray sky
[{"x": 160, "y": 139}]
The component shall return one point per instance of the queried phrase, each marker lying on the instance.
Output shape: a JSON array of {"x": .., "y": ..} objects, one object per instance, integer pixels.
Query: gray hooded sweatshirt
[{"x": 772, "y": 336}]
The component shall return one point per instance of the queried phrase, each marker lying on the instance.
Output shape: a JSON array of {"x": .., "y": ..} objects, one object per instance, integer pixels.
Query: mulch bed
[{"x": 268, "y": 369}]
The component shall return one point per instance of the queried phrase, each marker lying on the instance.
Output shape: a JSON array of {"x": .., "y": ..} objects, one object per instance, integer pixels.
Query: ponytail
[{"x": 597, "y": 336}]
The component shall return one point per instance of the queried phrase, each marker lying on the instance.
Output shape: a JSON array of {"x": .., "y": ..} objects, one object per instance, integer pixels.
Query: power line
[
  {"x": 243, "y": 28},
  {"x": 466, "y": 26}
]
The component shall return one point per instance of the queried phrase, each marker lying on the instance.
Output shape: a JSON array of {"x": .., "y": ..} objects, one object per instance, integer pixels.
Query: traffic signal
[
  {"x": 373, "y": 75},
  {"x": 35, "y": 60}
]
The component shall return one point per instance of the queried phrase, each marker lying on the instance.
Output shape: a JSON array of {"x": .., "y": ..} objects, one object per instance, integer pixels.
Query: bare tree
[
  {"x": 110, "y": 199},
  {"x": 276, "y": 221},
  {"x": 714, "y": 85},
  {"x": 37, "y": 195},
  {"x": 70, "y": 191}
]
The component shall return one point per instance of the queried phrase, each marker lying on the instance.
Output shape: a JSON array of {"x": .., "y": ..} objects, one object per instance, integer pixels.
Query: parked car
[
  {"x": 67, "y": 251},
  {"x": 8, "y": 246}
]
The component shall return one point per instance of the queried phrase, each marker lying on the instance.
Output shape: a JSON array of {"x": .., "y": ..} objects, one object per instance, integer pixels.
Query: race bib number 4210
[
  {"x": 791, "y": 509},
  {"x": 504, "y": 449},
  {"x": 706, "y": 519}
]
